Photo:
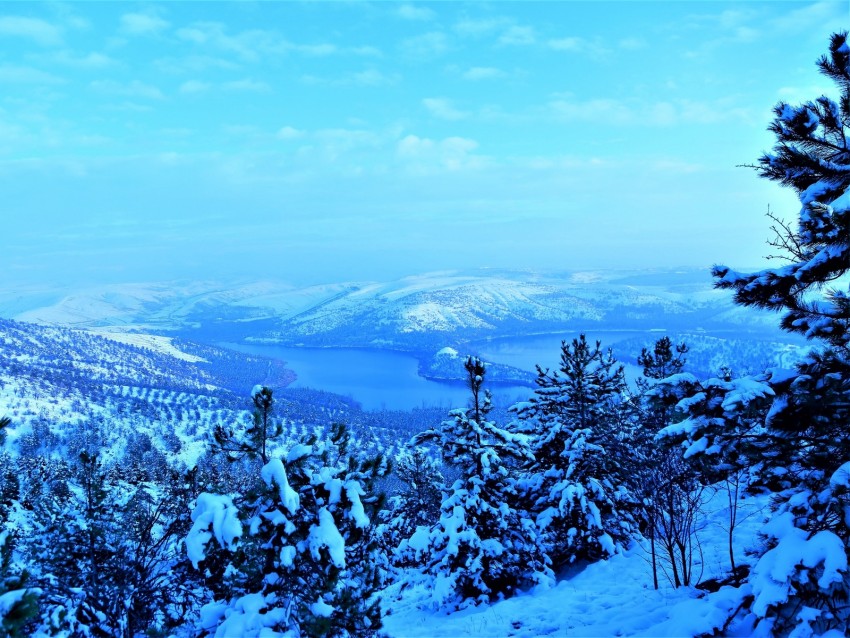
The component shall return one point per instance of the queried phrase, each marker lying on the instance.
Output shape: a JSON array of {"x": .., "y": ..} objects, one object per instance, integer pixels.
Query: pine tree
[
  {"x": 415, "y": 505},
  {"x": 801, "y": 582},
  {"x": 575, "y": 486},
  {"x": 481, "y": 549},
  {"x": 302, "y": 542}
]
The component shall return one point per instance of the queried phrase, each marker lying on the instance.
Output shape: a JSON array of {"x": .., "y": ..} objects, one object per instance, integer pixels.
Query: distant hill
[{"x": 417, "y": 314}]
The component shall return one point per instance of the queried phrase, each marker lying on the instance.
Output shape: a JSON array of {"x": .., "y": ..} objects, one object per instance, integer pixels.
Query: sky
[{"x": 331, "y": 141}]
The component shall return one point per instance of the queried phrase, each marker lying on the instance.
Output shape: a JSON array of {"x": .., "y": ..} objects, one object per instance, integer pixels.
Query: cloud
[
  {"x": 247, "y": 84},
  {"x": 246, "y": 44},
  {"x": 367, "y": 77},
  {"x": 482, "y": 73},
  {"x": 443, "y": 109},
  {"x": 194, "y": 63},
  {"x": 817, "y": 17},
  {"x": 367, "y": 51},
  {"x": 317, "y": 50},
  {"x": 40, "y": 31},
  {"x": 91, "y": 60},
  {"x": 516, "y": 35},
  {"x": 16, "y": 74},
  {"x": 575, "y": 44},
  {"x": 477, "y": 28},
  {"x": 194, "y": 86},
  {"x": 647, "y": 113},
  {"x": 410, "y": 12},
  {"x": 567, "y": 44},
  {"x": 452, "y": 153},
  {"x": 373, "y": 77},
  {"x": 800, "y": 94},
  {"x": 593, "y": 110},
  {"x": 426, "y": 45},
  {"x": 130, "y": 89},
  {"x": 254, "y": 44},
  {"x": 631, "y": 44},
  {"x": 142, "y": 24},
  {"x": 289, "y": 133}
]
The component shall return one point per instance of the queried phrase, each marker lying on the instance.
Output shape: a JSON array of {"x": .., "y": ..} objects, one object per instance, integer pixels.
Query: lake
[{"x": 377, "y": 379}]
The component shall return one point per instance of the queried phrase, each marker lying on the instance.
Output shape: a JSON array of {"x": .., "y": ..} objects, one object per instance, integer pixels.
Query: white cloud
[
  {"x": 130, "y": 89},
  {"x": 410, "y": 12},
  {"x": 16, "y": 74},
  {"x": 452, "y": 153},
  {"x": 194, "y": 86},
  {"x": 800, "y": 94},
  {"x": 631, "y": 44},
  {"x": 247, "y": 84},
  {"x": 825, "y": 16},
  {"x": 317, "y": 50},
  {"x": 593, "y": 110},
  {"x": 567, "y": 44},
  {"x": 575, "y": 44},
  {"x": 426, "y": 45},
  {"x": 646, "y": 113},
  {"x": 289, "y": 133},
  {"x": 142, "y": 24},
  {"x": 373, "y": 77},
  {"x": 92, "y": 60},
  {"x": 443, "y": 109},
  {"x": 478, "y": 28},
  {"x": 482, "y": 73},
  {"x": 517, "y": 35},
  {"x": 40, "y": 31},
  {"x": 367, "y": 51}
]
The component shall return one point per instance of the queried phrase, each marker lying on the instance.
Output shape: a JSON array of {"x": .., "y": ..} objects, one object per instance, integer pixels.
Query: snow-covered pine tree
[
  {"x": 18, "y": 601},
  {"x": 575, "y": 485},
  {"x": 415, "y": 504},
  {"x": 308, "y": 553},
  {"x": 481, "y": 549},
  {"x": 800, "y": 584}
]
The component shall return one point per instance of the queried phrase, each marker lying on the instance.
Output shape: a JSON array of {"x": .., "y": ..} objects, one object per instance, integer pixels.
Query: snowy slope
[
  {"x": 613, "y": 597},
  {"x": 425, "y": 312}
]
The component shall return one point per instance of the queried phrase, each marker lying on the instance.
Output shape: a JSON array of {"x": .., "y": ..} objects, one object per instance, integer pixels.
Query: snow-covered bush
[
  {"x": 482, "y": 548},
  {"x": 575, "y": 485},
  {"x": 302, "y": 545},
  {"x": 415, "y": 504}
]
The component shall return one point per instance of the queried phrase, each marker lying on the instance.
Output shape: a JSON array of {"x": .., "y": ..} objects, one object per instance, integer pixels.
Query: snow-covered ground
[{"x": 613, "y": 597}]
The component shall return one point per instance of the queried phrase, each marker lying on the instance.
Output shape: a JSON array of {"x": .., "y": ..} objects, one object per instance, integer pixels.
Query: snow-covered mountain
[
  {"x": 57, "y": 384},
  {"x": 422, "y": 313}
]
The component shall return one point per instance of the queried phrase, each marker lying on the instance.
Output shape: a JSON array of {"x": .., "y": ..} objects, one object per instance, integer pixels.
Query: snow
[
  {"x": 214, "y": 510},
  {"x": 326, "y": 535},
  {"x": 156, "y": 343},
  {"x": 273, "y": 473},
  {"x": 321, "y": 609},
  {"x": 612, "y": 597},
  {"x": 773, "y": 575}
]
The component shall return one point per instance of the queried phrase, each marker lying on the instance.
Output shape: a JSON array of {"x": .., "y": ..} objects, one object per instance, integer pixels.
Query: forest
[{"x": 281, "y": 531}]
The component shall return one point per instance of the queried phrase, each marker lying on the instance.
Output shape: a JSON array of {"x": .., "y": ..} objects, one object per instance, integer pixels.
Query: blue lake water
[{"x": 377, "y": 379}]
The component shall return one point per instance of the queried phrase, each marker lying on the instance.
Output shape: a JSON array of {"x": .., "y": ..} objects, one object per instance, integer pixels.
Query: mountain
[
  {"x": 62, "y": 386},
  {"x": 417, "y": 314}
]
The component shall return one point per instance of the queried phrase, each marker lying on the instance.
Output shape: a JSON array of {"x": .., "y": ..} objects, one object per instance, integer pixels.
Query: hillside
[{"x": 419, "y": 314}]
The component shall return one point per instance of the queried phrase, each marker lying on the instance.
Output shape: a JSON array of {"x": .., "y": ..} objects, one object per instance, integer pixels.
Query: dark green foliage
[
  {"x": 481, "y": 549},
  {"x": 308, "y": 547},
  {"x": 253, "y": 442},
  {"x": 577, "y": 486},
  {"x": 791, "y": 426}
]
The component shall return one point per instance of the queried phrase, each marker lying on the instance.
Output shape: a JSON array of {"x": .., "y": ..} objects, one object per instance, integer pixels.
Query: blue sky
[{"x": 324, "y": 141}]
